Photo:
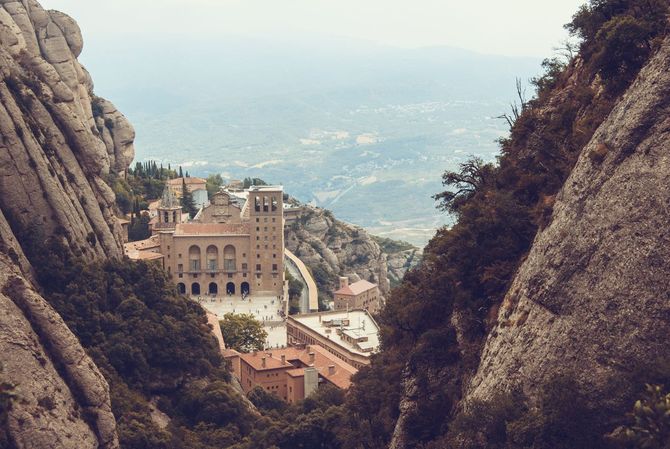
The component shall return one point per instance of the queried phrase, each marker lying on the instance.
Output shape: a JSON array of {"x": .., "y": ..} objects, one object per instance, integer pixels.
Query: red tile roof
[
  {"x": 298, "y": 358},
  {"x": 188, "y": 181},
  {"x": 356, "y": 288},
  {"x": 151, "y": 242}
]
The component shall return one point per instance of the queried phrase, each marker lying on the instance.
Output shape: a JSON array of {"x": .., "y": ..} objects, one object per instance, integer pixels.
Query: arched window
[
  {"x": 245, "y": 288},
  {"x": 274, "y": 204},
  {"x": 213, "y": 289},
  {"x": 195, "y": 288},
  {"x": 266, "y": 204},
  {"x": 229, "y": 256},
  {"x": 230, "y": 288},
  {"x": 212, "y": 258},
  {"x": 194, "y": 258},
  {"x": 181, "y": 288}
]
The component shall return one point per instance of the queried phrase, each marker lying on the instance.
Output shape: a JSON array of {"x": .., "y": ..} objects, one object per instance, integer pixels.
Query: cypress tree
[{"x": 187, "y": 201}]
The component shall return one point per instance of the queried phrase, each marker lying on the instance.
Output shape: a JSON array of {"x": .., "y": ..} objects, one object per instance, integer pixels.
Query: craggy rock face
[
  {"x": 60, "y": 144},
  {"x": 591, "y": 300},
  {"x": 331, "y": 248},
  {"x": 62, "y": 399},
  {"x": 59, "y": 147}
]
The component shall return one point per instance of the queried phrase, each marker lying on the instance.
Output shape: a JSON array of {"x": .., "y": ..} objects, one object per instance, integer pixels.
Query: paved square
[{"x": 265, "y": 309}]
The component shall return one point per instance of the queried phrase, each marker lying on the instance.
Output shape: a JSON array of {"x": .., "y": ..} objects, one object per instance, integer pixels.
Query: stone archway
[
  {"x": 230, "y": 288},
  {"x": 245, "y": 288},
  {"x": 181, "y": 288},
  {"x": 213, "y": 289},
  {"x": 195, "y": 288}
]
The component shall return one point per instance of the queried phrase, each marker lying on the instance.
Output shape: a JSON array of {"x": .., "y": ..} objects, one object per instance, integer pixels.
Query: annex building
[
  {"x": 359, "y": 295},
  {"x": 352, "y": 336},
  {"x": 293, "y": 373}
]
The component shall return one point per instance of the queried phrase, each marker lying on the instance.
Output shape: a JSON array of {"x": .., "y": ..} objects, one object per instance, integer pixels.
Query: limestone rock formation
[
  {"x": 62, "y": 399},
  {"x": 591, "y": 299},
  {"x": 331, "y": 248},
  {"x": 59, "y": 147},
  {"x": 55, "y": 155}
]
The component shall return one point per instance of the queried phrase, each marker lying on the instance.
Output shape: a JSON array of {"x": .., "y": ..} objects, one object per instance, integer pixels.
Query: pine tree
[{"x": 187, "y": 201}]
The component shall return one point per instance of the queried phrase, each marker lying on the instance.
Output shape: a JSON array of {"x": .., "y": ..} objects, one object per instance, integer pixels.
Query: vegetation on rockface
[
  {"x": 436, "y": 321},
  {"x": 147, "y": 179},
  {"x": 7, "y": 396},
  {"x": 295, "y": 288},
  {"x": 151, "y": 344},
  {"x": 243, "y": 332},
  {"x": 649, "y": 425}
]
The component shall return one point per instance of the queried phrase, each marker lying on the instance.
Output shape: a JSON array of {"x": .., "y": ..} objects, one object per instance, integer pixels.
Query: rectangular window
[
  {"x": 258, "y": 267},
  {"x": 245, "y": 267},
  {"x": 180, "y": 268},
  {"x": 195, "y": 265},
  {"x": 212, "y": 265},
  {"x": 274, "y": 267}
]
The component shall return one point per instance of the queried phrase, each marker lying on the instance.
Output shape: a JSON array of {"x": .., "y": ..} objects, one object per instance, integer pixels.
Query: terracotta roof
[
  {"x": 298, "y": 358},
  {"x": 211, "y": 228},
  {"x": 356, "y": 288},
  {"x": 143, "y": 255},
  {"x": 141, "y": 245},
  {"x": 298, "y": 372},
  {"x": 230, "y": 353},
  {"x": 188, "y": 181},
  {"x": 255, "y": 360}
]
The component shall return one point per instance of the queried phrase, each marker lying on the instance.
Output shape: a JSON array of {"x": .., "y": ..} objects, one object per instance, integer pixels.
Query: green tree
[
  {"x": 243, "y": 332},
  {"x": 7, "y": 397},
  {"x": 139, "y": 228},
  {"x": 214, "y": 183},
  {"x": 650, "y": 426},
  {"x": 187, "y": 201}
]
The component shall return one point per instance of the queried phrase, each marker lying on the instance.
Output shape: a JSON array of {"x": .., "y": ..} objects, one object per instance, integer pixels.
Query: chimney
[
  {"x": 263, "y": 362},
  {"x": 283, "y": 359},
  {"x": 331, "y": 370},
  {"x": 344, "y": 281},
  {"x": 311, "y": 357}
]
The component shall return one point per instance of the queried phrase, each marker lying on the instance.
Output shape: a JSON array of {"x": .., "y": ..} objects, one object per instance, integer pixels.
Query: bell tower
[{"x": 169, "y": 211}]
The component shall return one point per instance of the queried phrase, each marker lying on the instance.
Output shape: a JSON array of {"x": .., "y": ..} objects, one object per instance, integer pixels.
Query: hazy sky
[{"x": 512, "y": 27}]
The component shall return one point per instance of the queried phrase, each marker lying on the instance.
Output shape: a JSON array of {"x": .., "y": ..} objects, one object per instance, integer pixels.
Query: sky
[{"x": 512, "y": 27}]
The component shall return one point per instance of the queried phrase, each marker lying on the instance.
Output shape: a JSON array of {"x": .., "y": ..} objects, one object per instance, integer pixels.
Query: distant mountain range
[{"x": 361, "y": 129}]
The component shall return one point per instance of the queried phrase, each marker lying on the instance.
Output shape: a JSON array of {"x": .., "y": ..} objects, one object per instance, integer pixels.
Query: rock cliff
[
  {"x": 59, "y": 143},
  {"x": 59, "y": 146},
  {"x": 332, "y": 248},
  {"x": 591, "y": 301}
]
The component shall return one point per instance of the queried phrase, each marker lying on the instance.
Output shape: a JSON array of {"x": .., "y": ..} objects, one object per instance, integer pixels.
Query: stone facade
[{"x": 227, "y": 250}]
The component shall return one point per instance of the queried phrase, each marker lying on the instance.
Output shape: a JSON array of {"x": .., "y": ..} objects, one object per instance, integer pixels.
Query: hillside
[
  {"x": 536, "y": 320},
  {"x": 333, "y": 248}
]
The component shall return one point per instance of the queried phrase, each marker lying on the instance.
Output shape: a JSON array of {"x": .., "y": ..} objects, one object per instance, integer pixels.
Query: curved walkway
[{"x": 310, "y": 301}]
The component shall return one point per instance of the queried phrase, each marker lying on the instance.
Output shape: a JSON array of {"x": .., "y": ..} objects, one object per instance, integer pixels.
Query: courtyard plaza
[{"x": 266, "y": 309}]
